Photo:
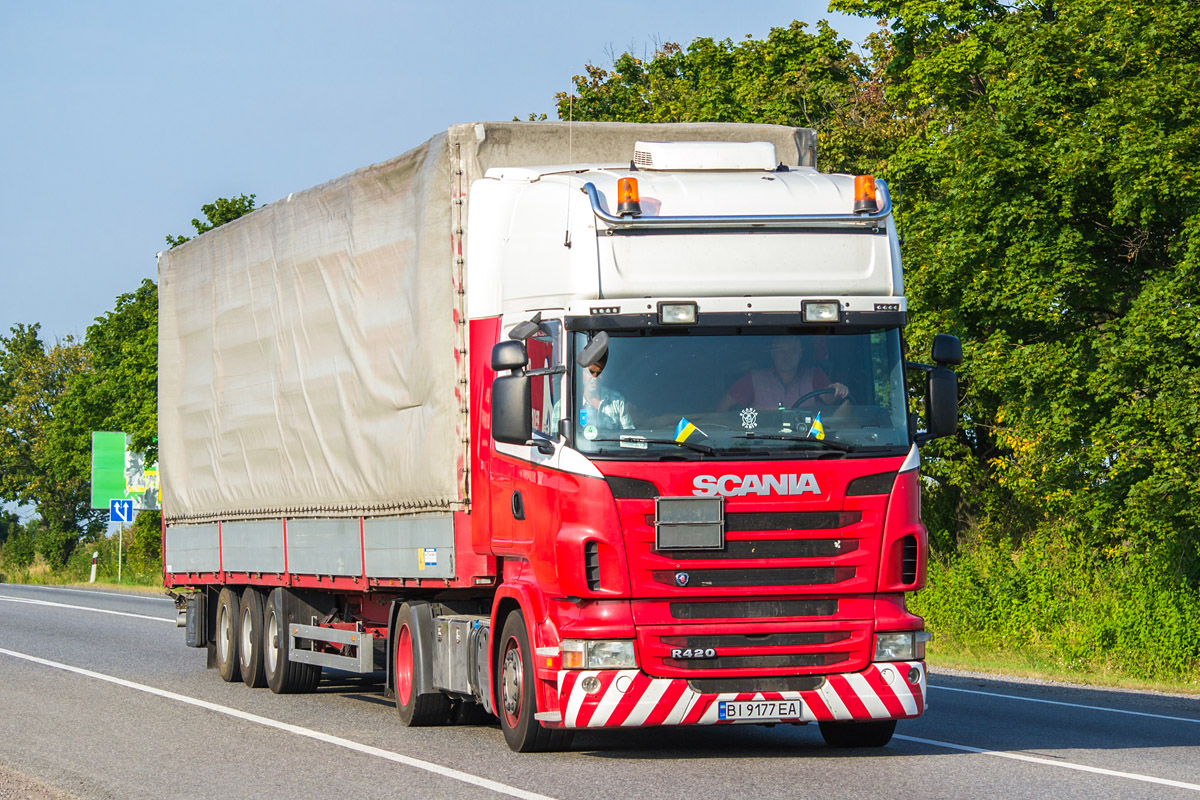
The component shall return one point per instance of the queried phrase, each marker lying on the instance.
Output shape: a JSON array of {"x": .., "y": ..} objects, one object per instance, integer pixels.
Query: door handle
[{"x": 518, "y": 506}]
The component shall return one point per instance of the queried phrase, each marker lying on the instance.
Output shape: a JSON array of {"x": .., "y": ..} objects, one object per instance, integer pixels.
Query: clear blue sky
[{"x": 119, "y": 119}]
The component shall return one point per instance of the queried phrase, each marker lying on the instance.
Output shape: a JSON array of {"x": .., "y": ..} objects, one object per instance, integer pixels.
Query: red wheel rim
[
  {"x": 404, "y": 666},
  {"x": 512, "y": 683}
]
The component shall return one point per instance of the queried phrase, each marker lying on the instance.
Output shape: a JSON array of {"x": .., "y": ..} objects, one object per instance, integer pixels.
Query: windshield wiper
[
  {"x": 699, "y": 448},
  {"x": 800, "y": 438}
]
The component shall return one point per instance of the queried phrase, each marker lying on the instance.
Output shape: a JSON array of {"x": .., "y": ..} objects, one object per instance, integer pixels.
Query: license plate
[{"x": 753, "y": 710}]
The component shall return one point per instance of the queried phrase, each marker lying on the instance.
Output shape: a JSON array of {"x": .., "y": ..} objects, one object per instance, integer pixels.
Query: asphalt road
[{"x": 99, "y": 698}]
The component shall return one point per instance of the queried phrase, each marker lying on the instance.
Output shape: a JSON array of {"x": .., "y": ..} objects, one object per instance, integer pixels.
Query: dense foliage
[{"x": 1045, "y": 156}]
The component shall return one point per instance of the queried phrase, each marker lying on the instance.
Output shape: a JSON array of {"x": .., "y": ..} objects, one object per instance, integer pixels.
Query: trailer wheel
[
  {"x": 283, "y": 675},
  {"x": 517, "y": 698},
  {"x": 250, "y": 639},
  {"x": 416, "y": 710},
  {"x": 227, "y": 635},
  {"x": 858, "y": 734}
]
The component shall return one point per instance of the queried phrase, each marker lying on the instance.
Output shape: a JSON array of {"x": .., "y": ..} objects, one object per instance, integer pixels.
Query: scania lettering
[
  {"x": 577, "y": 426},
  {"x": 738, "y": 485}
]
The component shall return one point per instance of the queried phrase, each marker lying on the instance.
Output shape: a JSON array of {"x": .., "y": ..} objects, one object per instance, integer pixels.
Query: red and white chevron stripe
[{"x": 629, "y": 698}]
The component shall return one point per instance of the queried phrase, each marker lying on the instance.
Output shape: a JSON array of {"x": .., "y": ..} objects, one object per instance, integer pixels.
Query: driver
[
  {"x": 785, "y": 382},
  {"x": 599, "y": 405}
]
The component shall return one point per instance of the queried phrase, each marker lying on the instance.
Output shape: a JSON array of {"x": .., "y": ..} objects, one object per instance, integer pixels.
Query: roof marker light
[
  {"x": 864, "y": 195},
  {"x": 628, "y": 203}
]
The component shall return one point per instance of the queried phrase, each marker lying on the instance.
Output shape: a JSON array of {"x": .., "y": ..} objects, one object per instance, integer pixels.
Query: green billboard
[{"x": 119, "y": 473}]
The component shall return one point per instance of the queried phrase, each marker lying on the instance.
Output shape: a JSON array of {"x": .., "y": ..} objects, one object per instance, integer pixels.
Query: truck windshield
[{"x": 734, "y": 393}]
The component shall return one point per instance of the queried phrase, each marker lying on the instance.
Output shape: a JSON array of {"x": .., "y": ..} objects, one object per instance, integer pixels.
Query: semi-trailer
[{"x": 590, "y": 425}]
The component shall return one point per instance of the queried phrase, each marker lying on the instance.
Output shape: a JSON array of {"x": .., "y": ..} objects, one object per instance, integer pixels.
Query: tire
[
  {"x": 517, "y": 696},
  {"x": 858, "y": 734},
  {"x": 228, "y": 606},
  {"x": 250, "y": 638},
  {"x": 415, "y": 710},
  {"x": 283, "y": 675}
]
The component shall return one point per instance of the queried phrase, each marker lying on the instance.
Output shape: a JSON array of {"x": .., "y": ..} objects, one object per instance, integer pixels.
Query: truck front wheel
[
  {"x": 516, "y": 694},
  {"x": 227, "y": 635},
  {"x": 858, "y": 734}
]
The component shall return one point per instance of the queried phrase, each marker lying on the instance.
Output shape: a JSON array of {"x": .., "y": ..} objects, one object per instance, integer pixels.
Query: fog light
[
  {"x": 914, "y": 675},
  {"x": 677, "y": 313},
  {"x": 590, "y": 684},
  {"x": 825, "y": 311}
]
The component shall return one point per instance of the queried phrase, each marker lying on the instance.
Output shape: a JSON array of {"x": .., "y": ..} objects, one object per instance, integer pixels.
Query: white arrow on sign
[{"x": 120, "y": 510}]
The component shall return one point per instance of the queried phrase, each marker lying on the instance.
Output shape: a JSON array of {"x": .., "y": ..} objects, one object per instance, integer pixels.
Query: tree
[
  {"x": 119, "y": 390},
  {"x": 45, "y": 453},
  {"x": 1050, "y": 209},
  {"x": 217, "y": 213},
  {"x": 792, "y": 77},
  {"x": 1053, "y": 214}
]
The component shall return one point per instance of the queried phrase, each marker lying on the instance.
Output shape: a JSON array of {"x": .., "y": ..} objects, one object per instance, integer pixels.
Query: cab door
[{"x": 522, "y": 504}]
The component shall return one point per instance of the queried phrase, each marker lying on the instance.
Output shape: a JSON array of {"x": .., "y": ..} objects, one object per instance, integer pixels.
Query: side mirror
[
  {"x": 947, "y": 350},
  {"x": 509, "y": 355},
  {"x": 941, "y": 401},
  {"x": 512, "y": 407},
  {"x": 594, "y": 351},
  {"x": 523, "y": 330}
]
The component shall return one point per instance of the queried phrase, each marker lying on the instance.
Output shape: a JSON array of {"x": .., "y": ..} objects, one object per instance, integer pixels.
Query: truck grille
[
  {"x": 795, "y": 576},
  {"x": 791, "y": 520},
  {"x": 754, "y": 649},
  {"x": 754, "y": 609},
  {"x": 789, "y": 660},
  {"x": 756, "y": 639},
  {"x": 770, "y": 548},
  {"x": 791, "y": 683}
]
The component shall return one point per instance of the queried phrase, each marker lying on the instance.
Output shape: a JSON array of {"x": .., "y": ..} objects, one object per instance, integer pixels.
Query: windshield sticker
[
  {"x": 638, "y": 442},
  {"x": 749, "y": 418},
  {"x": 583, "y": 417},
  {"x": 590, "y": 432}
]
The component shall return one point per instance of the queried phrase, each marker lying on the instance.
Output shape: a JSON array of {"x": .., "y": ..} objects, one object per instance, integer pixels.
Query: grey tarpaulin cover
[{"x": 309, "y": 352}]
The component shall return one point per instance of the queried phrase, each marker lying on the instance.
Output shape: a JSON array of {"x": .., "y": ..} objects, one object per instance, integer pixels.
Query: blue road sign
[{"x": 120, "y": 511}]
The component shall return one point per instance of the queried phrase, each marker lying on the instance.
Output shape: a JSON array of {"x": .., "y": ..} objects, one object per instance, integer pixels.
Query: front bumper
[{"x": 629, "y": 698}]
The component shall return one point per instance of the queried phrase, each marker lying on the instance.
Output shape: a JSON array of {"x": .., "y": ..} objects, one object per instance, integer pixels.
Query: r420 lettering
[{"x": 693, "y": 653}]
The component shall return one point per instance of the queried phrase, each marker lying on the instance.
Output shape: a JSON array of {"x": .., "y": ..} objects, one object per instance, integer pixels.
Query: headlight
[
  {"x": 598, "y": 654},
  {"x": 901, "y": 645}
]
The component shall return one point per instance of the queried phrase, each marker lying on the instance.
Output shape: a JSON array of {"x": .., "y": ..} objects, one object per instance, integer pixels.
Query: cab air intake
[
  {"x": 591, "y": 565},
  {"x": 908, "y": 559}
]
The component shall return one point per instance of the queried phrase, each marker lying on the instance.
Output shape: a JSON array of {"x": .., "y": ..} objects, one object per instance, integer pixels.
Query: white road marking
[
  {"x": 416, "y": 763},
  {"x": 82, "y": 608},
  {"x": 127, "y": 595},
  {"x": 1071, "y": 705},
  {"x": 1134, "y": 776}
]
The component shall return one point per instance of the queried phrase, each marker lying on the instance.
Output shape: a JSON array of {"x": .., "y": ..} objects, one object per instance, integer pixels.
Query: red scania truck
[{"x": 584, "y": 426}]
